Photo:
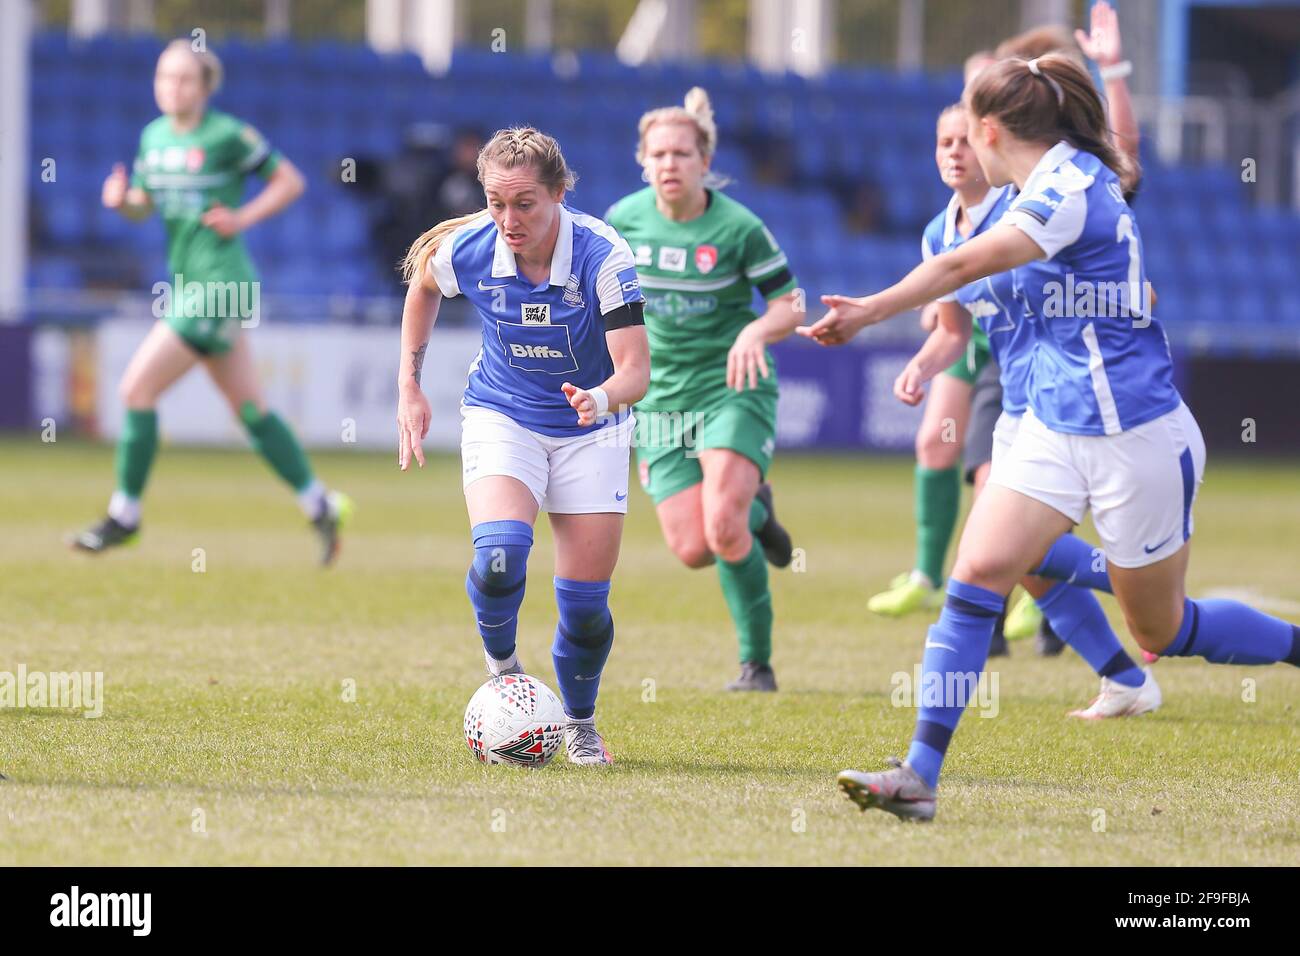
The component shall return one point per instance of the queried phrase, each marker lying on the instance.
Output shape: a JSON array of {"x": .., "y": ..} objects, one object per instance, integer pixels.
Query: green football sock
[
  {"x": 136, "y": 447},
  {"x": 757, "y": 515},
  {"x": 275, "y": 442},
  {"x": 744, "y": 585},
  {"x": 938, "y": 496}
]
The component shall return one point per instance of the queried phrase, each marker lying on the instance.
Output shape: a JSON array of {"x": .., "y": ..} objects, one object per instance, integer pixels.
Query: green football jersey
[
  {"x": 186, "y": 174},
  {"x": 698, "y": 278}
]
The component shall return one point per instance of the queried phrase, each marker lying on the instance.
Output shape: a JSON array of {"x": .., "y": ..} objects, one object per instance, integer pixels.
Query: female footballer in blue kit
[
  {"x": 1104, "y": 429},
  {"x": 1069, "y": 605},
  {"x": 545, "y": 420}
]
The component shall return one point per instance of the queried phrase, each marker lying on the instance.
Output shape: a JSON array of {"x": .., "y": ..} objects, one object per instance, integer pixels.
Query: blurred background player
[
  {"x": 964, "y": 405},
  {"x": 1069, "y": 606},
  {"x": 941, "y": 438},
  {"x": 191, "y": 167},
  {"x": 1105, "y": 430},
  {"x": 557, "y": 295},
  {"x": 707, "y": 426}
]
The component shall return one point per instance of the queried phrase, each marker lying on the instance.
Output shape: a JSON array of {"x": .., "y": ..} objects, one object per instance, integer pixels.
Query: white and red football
[{"x": 515, "y": 719}]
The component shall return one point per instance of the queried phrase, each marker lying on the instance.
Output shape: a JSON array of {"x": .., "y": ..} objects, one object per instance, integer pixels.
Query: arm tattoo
[{"x": 417, "y": 361}]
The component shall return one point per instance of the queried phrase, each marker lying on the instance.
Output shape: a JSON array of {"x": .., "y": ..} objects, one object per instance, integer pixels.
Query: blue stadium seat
[
  {"x": 54, "y": 272},
  {"x": 1212, "y": 256}
]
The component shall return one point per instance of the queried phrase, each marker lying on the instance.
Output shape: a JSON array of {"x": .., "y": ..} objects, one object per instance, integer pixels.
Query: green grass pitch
[{"x": 228, "y": 735}]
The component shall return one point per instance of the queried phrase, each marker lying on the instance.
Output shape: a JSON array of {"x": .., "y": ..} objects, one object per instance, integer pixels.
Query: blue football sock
[
  {"x": 1229, "y": 632},
  {"x": 495, "y": 583},
  {"x": 955, "y": 649},
  {"x": 1077, "y": 618},
  {"x": 1075, "y": 561},
  {"x": 582, "y": 642}
]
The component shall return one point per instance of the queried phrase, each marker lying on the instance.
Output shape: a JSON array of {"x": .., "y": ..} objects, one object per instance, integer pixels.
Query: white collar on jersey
[
  {"x": 503, "y": 262},
  {"x": 976, "y": 213},
  {"x": 1060, "y": 153}
]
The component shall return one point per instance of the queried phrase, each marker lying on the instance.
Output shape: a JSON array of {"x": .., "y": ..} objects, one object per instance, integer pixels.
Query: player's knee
[
  {"x": 1152, "y": 635},
  {"x": 692, "y": 551},
  {"x": 685, "y": 539},
  {"x": 585, "y": 619},
  {"x": 727, "y": 536},
  {"x": 500, "y": 563},
  {"x": 986, "y": 569},
  {"x": 136, "y": 395},
  {"x": 933, "y": 452}
]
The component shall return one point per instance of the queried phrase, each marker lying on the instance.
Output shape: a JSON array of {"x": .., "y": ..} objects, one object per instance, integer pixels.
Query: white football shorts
[
  {"x": 1140, "y": 484},
  {"x": 586, "y": 474}
]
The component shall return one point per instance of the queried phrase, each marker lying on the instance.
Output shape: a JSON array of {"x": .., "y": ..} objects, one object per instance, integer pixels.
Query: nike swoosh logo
[
  {"x": 485, "y": 624},
  {"x": 946, "y": 647},
  {"x": 618, "y": 497},
  {"x": 580, "y": 677},
  {"x": 485, "y": 288},
  {"x": 1150, "y": 550}
]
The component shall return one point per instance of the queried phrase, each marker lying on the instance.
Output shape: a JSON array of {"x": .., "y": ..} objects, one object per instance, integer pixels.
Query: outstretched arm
[{"x": 1001, "y": 248}]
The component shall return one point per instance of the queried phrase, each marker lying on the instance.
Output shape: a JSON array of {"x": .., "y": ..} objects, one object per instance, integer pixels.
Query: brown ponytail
[
  {"x": 1057, "y": 102},
  {"x": 507, "y": 149}
]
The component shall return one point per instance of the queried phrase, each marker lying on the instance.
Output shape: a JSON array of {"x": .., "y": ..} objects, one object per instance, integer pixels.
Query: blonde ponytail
[{"x": 425, "y": 248}]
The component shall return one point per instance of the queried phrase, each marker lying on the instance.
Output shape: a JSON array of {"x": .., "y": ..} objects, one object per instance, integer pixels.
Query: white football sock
[
  {"x": 312, "y": 499},
  {"x": 124, "y": 509},
  {"x": 496, "y": 666}
]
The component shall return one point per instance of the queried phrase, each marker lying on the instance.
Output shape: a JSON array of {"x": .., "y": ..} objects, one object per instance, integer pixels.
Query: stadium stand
[{"x": 324, "y": 102}]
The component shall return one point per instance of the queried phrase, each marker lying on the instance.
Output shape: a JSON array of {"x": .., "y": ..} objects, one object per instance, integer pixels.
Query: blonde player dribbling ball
[{"x": 546, "y": 420}]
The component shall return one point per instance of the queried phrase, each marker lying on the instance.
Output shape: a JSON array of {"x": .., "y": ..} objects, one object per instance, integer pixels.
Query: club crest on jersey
[
  {"x": 572, "y": 293},
  {"x": 706, "y": 257},
  {"x": 672, "y": 258},
  {"x": 536, "y": 313}
]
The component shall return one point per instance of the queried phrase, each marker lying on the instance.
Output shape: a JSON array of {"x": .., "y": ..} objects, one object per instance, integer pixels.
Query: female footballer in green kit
[
  {"x": 707, "y": 427},
  {"x": 191, "y": 167}
]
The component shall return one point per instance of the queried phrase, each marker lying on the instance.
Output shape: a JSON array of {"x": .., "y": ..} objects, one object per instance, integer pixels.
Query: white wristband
[
  {"x": 602, "y": 401},
  {"x": 1116, "y": 71}
]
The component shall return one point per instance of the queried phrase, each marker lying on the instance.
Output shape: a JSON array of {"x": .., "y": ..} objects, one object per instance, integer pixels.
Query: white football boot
[
  {"x": 1116, "y": 700},
  {"x": 583, "y": 744}
]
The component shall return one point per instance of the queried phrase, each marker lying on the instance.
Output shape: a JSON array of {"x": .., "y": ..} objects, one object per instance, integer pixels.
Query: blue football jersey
[
  {"x": 536, "y": 337},
  {"x": 1101, "y": 361},
  {"x": 990, "y": 301}
]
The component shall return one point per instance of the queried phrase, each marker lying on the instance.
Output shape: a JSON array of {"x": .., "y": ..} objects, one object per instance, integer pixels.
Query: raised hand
[{"x": 1102, "y": 44}]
